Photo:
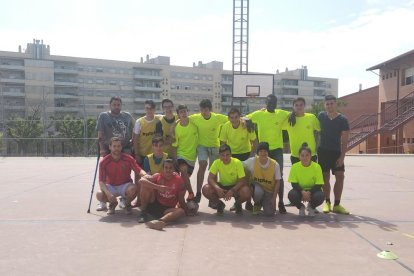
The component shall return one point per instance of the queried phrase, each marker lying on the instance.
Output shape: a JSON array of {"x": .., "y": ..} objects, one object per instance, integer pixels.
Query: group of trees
[{"x": 62, "y": 136}]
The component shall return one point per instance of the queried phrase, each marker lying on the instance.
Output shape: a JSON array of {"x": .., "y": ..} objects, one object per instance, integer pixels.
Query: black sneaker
[
  {"x": 212, "y": 205},
  {"x": 143, "y": 217},
  {"x": 220, "y": 208},
  {"x": 282, "y": 209},
  {"x": 239, "y": 209},
  {"x": 248, "y": 206},
  {"x": 197, "y": 198}
]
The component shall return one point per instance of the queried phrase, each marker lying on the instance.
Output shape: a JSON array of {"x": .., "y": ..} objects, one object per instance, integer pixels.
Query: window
[{"x": 409, "y": 76}]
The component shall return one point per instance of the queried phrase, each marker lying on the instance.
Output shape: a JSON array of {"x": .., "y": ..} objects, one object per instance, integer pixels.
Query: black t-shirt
[{"x": 331, "y": 131}]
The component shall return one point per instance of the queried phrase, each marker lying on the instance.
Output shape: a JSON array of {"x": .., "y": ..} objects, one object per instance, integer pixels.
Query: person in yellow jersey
[
  {"x": 184, "y": 147},
  {"x": 301, "y": 128},
  {"x": 307, "y": 182},
  {"x": 265, "y": 180},
  {"x": 145, "y": 128},
  {"x": 241, "y": 140},
  {"x": 208, "y": 124},
  {"x": 269, "y": 123},
  {"x": 167, "y": 121},
  {"x": 226, "y": 180},
  {"x": 153, "y": 161}
]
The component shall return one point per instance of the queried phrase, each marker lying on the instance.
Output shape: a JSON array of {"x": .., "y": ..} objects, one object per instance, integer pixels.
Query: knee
[
  {"x": 131, "y": 191},
  {"x": 244, "y": 193},
  {"x": 100, "y": 196},
  {"x": 180, "y": 212},
  {"x": 294, "y": 196},
  {"x": 207, "y": 190}
]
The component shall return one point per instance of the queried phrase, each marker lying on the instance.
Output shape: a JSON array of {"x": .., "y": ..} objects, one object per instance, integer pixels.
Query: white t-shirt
[{"x": 249, "y": 165}]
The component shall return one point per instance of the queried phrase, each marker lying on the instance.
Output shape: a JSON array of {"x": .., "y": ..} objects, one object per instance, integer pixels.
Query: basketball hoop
[{"x": 252, "y": 91}]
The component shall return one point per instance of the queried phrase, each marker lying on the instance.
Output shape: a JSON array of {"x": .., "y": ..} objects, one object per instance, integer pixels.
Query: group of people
[{"x": 244, "y": 156}]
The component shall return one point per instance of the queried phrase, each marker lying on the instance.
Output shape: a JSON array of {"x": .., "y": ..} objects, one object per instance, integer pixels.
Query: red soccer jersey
[
  {"x": 170, "y": 197},
  {"x": 117, "y": 172}
]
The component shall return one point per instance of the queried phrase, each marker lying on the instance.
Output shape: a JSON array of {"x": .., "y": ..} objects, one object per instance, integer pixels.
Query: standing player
[
  {"x": 185, "y": 137},
  {"x": 115, "y": 177},
  {"x": 160, "y": 194},
  {"x": 331, "y": 152},
  {"x": 269, "y": 127},
  {"x": 167, "y": 122},
  {"x": 144, "y": 130},
  {"x": 153, "y": 161},
  {"x": 241, "y": 141},
  {"x": 265, "y": 180},
  {"x": 226, "y": 180},
  {"x": 114, "y": 123},
  {"x": 208, "y": 124}
]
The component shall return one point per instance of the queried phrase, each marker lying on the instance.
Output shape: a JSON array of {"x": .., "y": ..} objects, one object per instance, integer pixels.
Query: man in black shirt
[{"x": 331, "y": 152}]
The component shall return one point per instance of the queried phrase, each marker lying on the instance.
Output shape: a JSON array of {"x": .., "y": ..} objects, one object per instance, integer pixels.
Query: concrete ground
[{"x": 45, "y": 230}]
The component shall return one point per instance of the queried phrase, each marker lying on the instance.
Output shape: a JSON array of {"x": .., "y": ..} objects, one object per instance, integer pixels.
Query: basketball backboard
[{"x": 252, "y": 85}]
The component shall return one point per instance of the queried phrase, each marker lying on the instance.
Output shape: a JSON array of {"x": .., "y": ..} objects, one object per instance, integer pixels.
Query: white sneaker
[
  {"x": 302, "y": 211},
  {"x": 122, "y": 203},
  {"x": 308, "y": 207},
  {"x": 101, "y": 206},
  {"x": 311, "y": 212}
]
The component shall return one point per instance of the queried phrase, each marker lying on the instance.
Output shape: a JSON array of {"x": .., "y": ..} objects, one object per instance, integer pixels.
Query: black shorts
[
  {"x": 156, "y": 209},
  {"x": 294, "y": 159},
  {"x": 226, "y": 187},
  {"x": 241, "y": 156},
  {"x": 190, "y": 168},
  {"x": 327, "y": 160}
]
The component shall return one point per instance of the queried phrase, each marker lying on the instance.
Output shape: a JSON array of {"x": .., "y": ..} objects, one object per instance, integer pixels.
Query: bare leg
[
  {"x": 131, "y": 193},
  {"x": 339, "y": 185},
  {"x": 186, "y": 178},
  {"x": 210, "y": 193},
  {"x": 200, "y": 174},
  {"x": 327, "y": 185},
  {"x": 244, "y": 194},
  {"x": 172, "y": 214}
]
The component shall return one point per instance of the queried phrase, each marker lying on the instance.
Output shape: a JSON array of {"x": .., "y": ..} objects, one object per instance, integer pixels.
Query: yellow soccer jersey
[
  {"x": 238, "y": 139},
  {"x": 186, "y": 141},
  {"x": 228, "y": 174},
  {"x": 269, "y": 126},
  {"x": 208, "y": 130},
  {"x": 306, "y": 177},
  {"x": 302, "y": 132}
]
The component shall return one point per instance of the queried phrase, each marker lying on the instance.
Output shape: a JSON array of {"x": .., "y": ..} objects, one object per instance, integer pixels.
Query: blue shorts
[{"x": 207, "y": 153}]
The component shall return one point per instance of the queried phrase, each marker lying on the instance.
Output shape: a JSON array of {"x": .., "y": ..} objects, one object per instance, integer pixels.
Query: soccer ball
[{"x": 193, "y": 206}]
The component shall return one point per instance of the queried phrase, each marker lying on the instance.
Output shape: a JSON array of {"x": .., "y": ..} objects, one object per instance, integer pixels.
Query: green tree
[
  {"x": 25, "y": 131},
  {"x": 317, "y": 107}
]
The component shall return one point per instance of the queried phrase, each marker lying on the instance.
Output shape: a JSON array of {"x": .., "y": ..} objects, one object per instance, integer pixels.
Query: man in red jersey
[
  {"x": 115, "y": 177},
  {"x": 160, "y": 194}
]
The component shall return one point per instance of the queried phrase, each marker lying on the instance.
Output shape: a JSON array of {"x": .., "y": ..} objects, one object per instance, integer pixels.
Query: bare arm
[
  {"x": 105, "y": 190},
  {"x": 344, "y": 146},
  {"x": 147, "y": 182},
  {"x": 101, "y": 141}
]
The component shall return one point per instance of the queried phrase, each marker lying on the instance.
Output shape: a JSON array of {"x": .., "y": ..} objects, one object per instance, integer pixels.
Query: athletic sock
[
  {"x": 337, "y": 202},
  {"x": 328, "y": 200}
]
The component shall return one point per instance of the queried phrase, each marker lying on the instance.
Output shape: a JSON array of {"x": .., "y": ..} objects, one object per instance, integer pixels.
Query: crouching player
[
  {"x": 226, "y": 180},
  {"x": 115, "y": 177},
  {"x": 307, "y": 181},
  {"x": 265, "y": 180},
  {"x": 160, "y": 194}
]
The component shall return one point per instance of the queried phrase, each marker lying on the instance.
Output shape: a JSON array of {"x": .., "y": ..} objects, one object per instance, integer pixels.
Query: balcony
[
  {"x": 12, "y": 80},
  {"x": 147, "y": 77},
  {"x": 226, "y": 103},
  {"x": 227, "y": 93},
  {"x": 14, "y": 67},
  {"x": 226, "y": 82},
  {"x": 141, "y": 100},
  {"x": 147, "y": 88},
  {"x": 13, "y": 94},
  {"x": 70, "y": 83},
  {"x": 69, "y": 71}
]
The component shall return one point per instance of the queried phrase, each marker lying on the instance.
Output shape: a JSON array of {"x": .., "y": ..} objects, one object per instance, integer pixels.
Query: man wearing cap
[{"x": 264, "y": 178}]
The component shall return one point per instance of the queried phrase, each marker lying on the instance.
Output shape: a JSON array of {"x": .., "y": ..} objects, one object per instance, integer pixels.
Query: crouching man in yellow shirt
[{"x": 226, "y": 180}]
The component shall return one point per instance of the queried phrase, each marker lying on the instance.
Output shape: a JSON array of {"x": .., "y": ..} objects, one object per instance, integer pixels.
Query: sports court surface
[{"x": 45, "y": 230}]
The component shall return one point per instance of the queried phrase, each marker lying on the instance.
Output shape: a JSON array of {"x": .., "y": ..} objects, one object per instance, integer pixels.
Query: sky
[{"x": 335, "y": 39}]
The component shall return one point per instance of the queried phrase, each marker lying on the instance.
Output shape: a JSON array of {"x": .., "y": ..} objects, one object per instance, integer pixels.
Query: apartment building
[{"x": 62, "y": 85}]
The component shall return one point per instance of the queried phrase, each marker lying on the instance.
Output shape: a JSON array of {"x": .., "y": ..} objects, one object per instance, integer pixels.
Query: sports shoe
[
  {"x": 315, "y": 209},
  {"x": 248, "y": 206},
  {"x": 326, "y": 208},
  {"x": 311, "y": 212},
  {"x": 302, "y": 211},
  {"x": 239, "y": 209},
  {"x": 339, "y": 209},
  {"x": 101, "y": 207},
  {"x": 122, "y": 203},
  {"x": 156, "y": 224},
  {"x": 256, "y": 209},
  {"x": 220, "y": 208},
  {"x": 143, "y": 217},
  {"x": 197, "y": 198},
  {"x": 128, "y": 208},
  {"x": 212, "y": 205},
  {"x": 282, "y": 209},
  {"x": 111, "y": 209}
]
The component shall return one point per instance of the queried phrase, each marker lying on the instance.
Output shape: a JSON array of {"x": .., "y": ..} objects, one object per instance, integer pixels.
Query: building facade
[{"x": 62, "y": 85}]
